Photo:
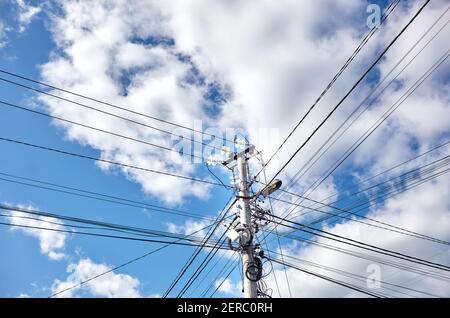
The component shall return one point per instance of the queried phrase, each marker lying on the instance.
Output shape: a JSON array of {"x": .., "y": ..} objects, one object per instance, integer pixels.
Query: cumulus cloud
[
  {"x": 109, "y": 285},
  {"x": 135, "y": 66},
  {"x": 228, "y": 287},
  {"x": 3, "y": 30},
  {"x": 132, "y": 66},
  {"x": 51, "y": 243},
  {"x": 423, "y": 210},
  {"x": 26, "y": 14},
  {"x": 275, "y": 61},
  {"x": 189, "y": 227}
]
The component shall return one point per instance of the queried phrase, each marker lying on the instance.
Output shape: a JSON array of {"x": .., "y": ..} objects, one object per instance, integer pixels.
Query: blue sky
[
  {"x": 226, "y": 80},
  {"x": 33, "y": 272}
]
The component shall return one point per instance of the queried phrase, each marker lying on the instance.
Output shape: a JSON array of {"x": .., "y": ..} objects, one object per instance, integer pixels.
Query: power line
[
  {"x": 347, "y": 210},
  {"x": 406, "y": 189},
  {"x": 63, "y": 152},
  {"x": 304, "y": 168},
  {"x": 100, "y": 130},
  {"x": 106, "y": 225},
  {"x": 277, "y": 235},
  {"x": 110, "y": 114},
  {"x": 359, "y": 244},
  {"x": 339, "y": 240},
  {"x": 205, "y": 262},
  {"x": 389, "y": 10},
  {"x": 357, "y": 185},
  {"x": 322, "y": 179},
  {"x": 126, "y": 109},
  {"x": 351, "y": 90},
  {"x": 389, "y": 112},
  {"x": 377, "y": 124},
  {"x": 101, "y": 228},
  {"x": 224, "y": 279},
  {"x": 101, "y": 196},
  {"x": 371, "y": 258},
  {"x": 385, "y": 196},
  {"x": 406, "y": 231},
  {"x": 435, "y": 148},
  {"x": 405, "y": 176},
  {"x": 396, "y": 192},
  {"x": 105, "y": 235},
  {"x": 374, "y": 199},
  {"x": 123, "y": 264},
  {"x": 227, "y": 265},
  {"x": 397, "y": 104},
  {"x": 206, "y": 242},
  {"x": 211, "y": 254},
  {"x": 201, "y": 281},
  {"x": 324, "y": 277},
  {"x": 223, "y": 269},
  {"x": 183, "y": 270},
  {"x": 358, "y": 277}
]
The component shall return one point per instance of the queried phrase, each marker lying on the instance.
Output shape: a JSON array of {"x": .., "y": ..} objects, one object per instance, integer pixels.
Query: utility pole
[
  {"x": 245, "y": 231},
  {"x": 247, "y": 249},
  {"x": 249, "y": 222}
]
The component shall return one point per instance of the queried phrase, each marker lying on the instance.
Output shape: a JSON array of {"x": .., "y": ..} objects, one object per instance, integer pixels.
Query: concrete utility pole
[
  {"x": 247, "y": 249},
  {"x": 246, "y": 230}
]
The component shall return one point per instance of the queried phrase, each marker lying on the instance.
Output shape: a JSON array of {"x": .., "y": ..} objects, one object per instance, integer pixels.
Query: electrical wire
[
  {"x": 402, "y": 231},
  {"x": 106, "y": 235},
  {"x": 359, "y": 244},
  {"x": 425, "y": 272},
  {"x": 113, "y": 226},
  {"x": 126, "y": 109},
  {"x": 123, "y": 265},
  {"x": 219, "y": 274},
  {"x": 372, "y": 129},
  {"x": 399, "y": 102},
  {"x": 324, "y": 277},
  {"x": 64, "y": 152},
  {"x": 350, "y": 91},
  {"x": 343, "y": 210},
  {"x": 277, "y": 235},
  {"x": 360, "y": 277},
  {"x": 220, "y": 217},
  {"x": 384, "y": 196},
  {"x": 302, "y": 171},
  {"x": 360, "y": 183},
  {"x": 364, "y": 41},
  {"x": 224, "y": 279},
  {"x": 103, "y": 197},
  {"x": 4, "y": 103},
  {"x": 111, "y": 114}
]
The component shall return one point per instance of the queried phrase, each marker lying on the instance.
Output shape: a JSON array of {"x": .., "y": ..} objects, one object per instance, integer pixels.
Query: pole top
[{"x": 248, "y": 152}]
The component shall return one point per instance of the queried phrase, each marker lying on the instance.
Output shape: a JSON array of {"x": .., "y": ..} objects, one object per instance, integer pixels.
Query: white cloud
[
  {"x": 51, "y": 243},
  {"x": 228, "y": 287},
  {"x": 276, "y": 59},
  {"x": 26, "y": 14},
  {"x": 189, "y": 227},
  {"x": 423, "y": 210},
  {"x": 3, "y": 30},
  {"x": 122, "y": 41},
  {"x": 109, "y": 285},
  {"x": 125, "y": 70}
]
